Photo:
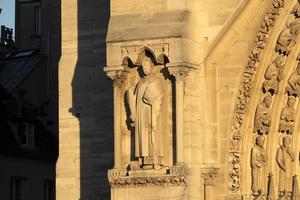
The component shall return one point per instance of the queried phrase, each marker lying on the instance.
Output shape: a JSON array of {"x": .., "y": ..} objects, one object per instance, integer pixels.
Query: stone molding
[
  {"x": 166, "y": 180},
  {"x": 245, "y": 92}
]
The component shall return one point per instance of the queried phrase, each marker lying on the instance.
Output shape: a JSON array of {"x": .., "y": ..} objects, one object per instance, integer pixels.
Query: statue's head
[
  {"x": 295, "y": 27},
  {"x": 291, "y": 101},
  {"x": 280, "y": 60},
  {"x": 147, "y": 66},
  {"x": 286, "y": 141},
  {"x": 260, "y": 140},
  {"x": 268, "y": 100}
]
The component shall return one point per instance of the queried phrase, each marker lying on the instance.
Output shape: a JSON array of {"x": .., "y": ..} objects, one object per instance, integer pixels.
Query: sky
[{"x": 7, "y": 16}]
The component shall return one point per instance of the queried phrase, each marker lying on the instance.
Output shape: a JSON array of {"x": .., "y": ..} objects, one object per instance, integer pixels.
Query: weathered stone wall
[
  {"x": 85, "y": 103},
  {"x": 217, "y": 36}
]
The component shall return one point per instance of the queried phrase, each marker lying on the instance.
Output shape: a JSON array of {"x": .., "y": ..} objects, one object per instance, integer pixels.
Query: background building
[{"x": 28, "y": 71}]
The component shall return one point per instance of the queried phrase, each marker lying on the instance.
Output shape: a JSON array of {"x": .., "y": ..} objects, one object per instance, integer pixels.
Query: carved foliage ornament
[
  {"x": 121, "y": 182},
  {"x": 244, "y": 92}
]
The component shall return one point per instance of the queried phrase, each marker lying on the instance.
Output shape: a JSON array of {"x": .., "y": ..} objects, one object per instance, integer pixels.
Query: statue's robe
[
  {"x": 258, "y": 160},
  {"x": 148, "y": 143},
  {"x": 284, "y": 158}
]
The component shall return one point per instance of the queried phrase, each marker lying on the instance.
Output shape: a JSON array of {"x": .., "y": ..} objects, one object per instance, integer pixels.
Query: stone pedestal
[{"x": 165, "y": 183}]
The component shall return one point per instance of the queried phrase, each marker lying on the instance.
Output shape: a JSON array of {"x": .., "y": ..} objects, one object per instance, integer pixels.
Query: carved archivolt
[
  {"x": 263, "y": 116},
  {"x": 244, "y": 92}
]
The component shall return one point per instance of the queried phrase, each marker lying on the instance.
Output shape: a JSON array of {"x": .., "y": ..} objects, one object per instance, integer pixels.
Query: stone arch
[
  {"x": 127, "y": 62},
  {"x": 146, "y": 52},
  {"x": 163, "y": 59},
  {"x": 251, "y": 95}
]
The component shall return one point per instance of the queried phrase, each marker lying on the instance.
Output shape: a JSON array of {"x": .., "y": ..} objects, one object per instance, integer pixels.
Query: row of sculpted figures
[
  {"x": 285, "y": 155},
  {"x": 275, "y": 73}
]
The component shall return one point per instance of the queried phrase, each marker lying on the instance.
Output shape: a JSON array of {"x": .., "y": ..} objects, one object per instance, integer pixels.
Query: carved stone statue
[
  {"x": 284, "y": 157},
  {"x": 274, "y": 75},
  {"x": 293, "y": 86},
  {"x": 287, "y": 117},
  {"x": 258, "y": 160},
  {"x": 287, "y": 38},
  {"x": 262, "y": 120},
  {"x": 145, "y": 105}
]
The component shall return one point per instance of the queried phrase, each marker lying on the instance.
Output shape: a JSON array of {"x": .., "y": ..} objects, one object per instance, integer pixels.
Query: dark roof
[
  {"x": 12, "y": 73},
  {"x": 16, "y": 66}
]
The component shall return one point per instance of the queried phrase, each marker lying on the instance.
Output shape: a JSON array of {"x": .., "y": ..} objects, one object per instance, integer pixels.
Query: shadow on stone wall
[{"x": 93, "y": 100}]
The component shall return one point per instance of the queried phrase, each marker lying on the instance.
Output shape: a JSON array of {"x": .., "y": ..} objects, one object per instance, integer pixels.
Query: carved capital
[
  {"x": 117, "y": 75},
  {"x": 118, "y": 80},
  {"x": 180, "y": 75},
  {"x": 209, "y": 178},
  {"x": 181, "y": 70}
]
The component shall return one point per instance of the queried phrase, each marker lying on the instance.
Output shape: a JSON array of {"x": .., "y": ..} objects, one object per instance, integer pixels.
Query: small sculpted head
[
  {"x": 286, "y": 141},
  {"x": 267, "y": 101},
  {"x": 260, "y": 140},
  {"x": 291, "y": 101}
]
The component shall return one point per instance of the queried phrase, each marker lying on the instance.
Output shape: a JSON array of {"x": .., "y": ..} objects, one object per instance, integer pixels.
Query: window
[
  {"x": 38, "y": 20},
  {"x": 49, "y": 190},
  {"x": 17, "y": 188},
  {"x": 26, "y": 134}
]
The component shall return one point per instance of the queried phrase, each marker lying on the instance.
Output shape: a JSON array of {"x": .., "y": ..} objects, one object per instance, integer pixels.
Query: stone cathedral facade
[{"x": 179, "y": 100}]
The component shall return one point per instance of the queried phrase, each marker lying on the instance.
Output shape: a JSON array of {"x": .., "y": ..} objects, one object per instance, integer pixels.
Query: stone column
[
  {"x": 209, "y": 183},
  {"x": 180, "y": 72},
  {"x": 117, "y": 82},
  {"x": 180, "y": 77},
  {"x": 118, "y": 78}
]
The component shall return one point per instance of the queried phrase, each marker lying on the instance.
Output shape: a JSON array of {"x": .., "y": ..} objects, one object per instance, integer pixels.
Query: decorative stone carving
[
  {"x": 258, "y": 161},
  {"x": 287, "y": 117},
  {"x": 145, "y": 106},
  {"x": 284, "y": 157},
  {"x": 274, "y": 75},
  {"x": 244, "y": 92},
  {"x": 293, "y": 86},
  {"x": 180, "y": 75},
  {"x": 287, "y": 38},
  {"x": 209, "y": 178},
  {"x": 262, "y": 120},
  {"x": 157, "y": 48},
  {"x": 165, "y": 180},
  {"x": 118, "y": 75}
]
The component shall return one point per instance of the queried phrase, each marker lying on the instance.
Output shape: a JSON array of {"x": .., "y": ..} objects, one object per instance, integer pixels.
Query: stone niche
[
  {"x": 148, "y": 159},
  {"x": 149, "y": 66}
]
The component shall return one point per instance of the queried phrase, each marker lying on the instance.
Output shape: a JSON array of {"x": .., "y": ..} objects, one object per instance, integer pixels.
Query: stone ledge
[{"x": 120, "y": 178}]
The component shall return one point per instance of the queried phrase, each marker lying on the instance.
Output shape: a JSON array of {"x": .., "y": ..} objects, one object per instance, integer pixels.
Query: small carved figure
[
  {"x": 287, "y": 117},
  {"x": 284, "y": 157},
  {"x": 286, "y": 39},
  {"x": 293, "y": 86},
  {"x": 258, "y": 161},
  {"x": 145, "y": 106},
  {"x": 262, "y": 120},
  {"x": 274, "y": 75}
]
